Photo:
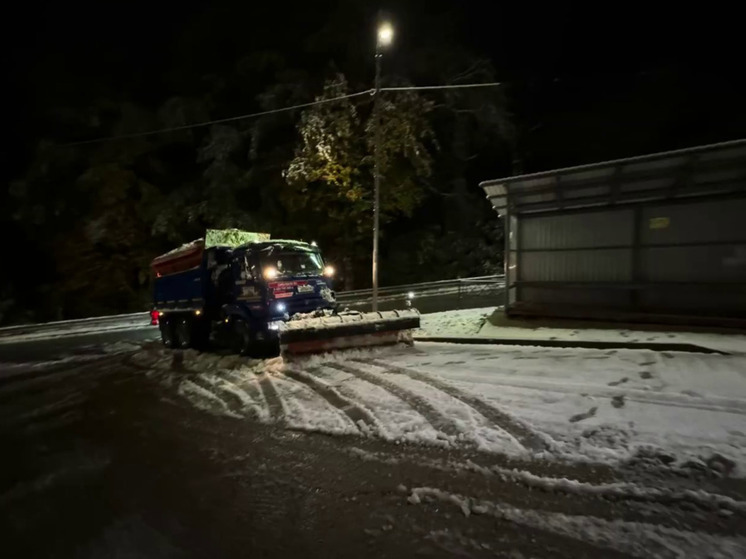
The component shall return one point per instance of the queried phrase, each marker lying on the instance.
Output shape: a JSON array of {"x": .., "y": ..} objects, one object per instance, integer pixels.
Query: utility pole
[
  {"x": 376, "y": 176},
  {"x": 385, "y": 36}
]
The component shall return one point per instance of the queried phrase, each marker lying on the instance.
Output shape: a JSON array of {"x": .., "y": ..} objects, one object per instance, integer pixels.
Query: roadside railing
[
  {"x": 427, "y": 297},
  {"x": 431, "y": 296}
]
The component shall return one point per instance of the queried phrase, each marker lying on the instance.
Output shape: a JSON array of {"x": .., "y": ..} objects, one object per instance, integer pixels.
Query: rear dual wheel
[
  {"x": 167, "y": 332},
  {"x": 182, "y": 332}
]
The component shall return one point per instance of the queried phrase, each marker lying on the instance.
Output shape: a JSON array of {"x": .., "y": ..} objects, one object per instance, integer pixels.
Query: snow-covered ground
[
  {"x": 473, "y": 322},
  {"x": 672, "y": 409}
]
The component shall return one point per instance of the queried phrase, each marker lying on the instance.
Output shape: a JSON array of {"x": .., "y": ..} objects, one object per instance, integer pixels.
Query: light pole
[{"x": 384, "y": 39}]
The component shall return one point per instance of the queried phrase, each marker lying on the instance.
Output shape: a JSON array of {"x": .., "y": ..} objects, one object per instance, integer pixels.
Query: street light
[
  {"x": 385, "y": 34},
  {"x": 385, "y": 38}
]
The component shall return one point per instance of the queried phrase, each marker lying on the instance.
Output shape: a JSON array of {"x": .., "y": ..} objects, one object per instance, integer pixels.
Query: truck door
[{"x": 246, "y": 278}]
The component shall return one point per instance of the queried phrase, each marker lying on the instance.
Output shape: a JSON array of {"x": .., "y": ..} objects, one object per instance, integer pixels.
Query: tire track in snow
[
  {"x": 666, "y": 399},
  {"x": 204, "y": 398},
  {"x": 524, "y": 434},
  {"x": 241, "y": 383},
  {"x": 272, "y": 397},
  {"x": 249, "y": 392},
  {"x": 232, "y": 401},
  {"x": 360, "y": 416},
  {"x": 415, "y": 401}
]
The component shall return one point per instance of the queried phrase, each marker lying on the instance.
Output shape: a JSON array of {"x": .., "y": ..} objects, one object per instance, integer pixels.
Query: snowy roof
[
  {"x": 183, "y": 249},
  {"x": 700, "y": 171},
  {"x": 230, "y": 238}
]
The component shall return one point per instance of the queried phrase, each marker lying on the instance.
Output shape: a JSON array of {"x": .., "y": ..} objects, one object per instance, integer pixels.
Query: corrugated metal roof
[{"x": 699, "y": 171}]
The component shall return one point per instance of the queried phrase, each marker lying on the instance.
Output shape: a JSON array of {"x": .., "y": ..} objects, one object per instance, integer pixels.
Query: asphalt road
[
  {"x": 101, "y": 458},
  {"x": 67, "y": 346}
]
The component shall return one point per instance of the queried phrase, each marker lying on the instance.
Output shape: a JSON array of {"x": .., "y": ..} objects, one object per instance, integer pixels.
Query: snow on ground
[
  {"x": 614, "y": 406},
  {"x": 397, "y": 419},
  {"x": 606, "y": 405},
  {"x": 473, "y": 322},
  {"x": 454, "y": 323},
  {"x": 304, "y": 409}
]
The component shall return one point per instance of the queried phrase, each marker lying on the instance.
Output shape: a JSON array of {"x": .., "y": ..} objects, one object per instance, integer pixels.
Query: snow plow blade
[{"x": 347, "y": 330}]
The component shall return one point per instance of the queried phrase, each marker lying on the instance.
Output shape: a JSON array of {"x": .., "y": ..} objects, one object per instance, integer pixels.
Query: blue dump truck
[{"x": 257, "y": 295}]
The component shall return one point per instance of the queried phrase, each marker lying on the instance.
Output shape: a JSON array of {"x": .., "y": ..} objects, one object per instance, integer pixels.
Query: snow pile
[
  {"x": 185, "y": 248},
  {"x": 321, "y": 320},
  {"x": 454, "y": 323}
]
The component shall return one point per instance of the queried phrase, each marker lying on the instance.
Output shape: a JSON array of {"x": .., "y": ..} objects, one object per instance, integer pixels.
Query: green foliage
[
  {"x": 327, "y": 165},
  {"x": 330, "y": 178}
]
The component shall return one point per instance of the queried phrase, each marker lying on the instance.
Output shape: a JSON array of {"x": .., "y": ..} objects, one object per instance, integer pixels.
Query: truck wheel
[
  {"x": 270, "y": 348},
  {"x": 242, "y": 337},
  {"x": 167, "y": 332},
  {"x": 183, "y": 333},
  {"x": 200, "y": 334}
]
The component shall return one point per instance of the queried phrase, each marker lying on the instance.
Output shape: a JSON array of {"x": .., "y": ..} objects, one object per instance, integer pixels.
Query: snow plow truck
[{"x": 256, "y": 295}]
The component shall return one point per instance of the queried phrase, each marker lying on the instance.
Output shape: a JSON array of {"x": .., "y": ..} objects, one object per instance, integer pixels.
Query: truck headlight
[
  {"x": 281, "y": 307},
  {"x": 329, "y": 271},
  {"x": 270, "y": 272}
]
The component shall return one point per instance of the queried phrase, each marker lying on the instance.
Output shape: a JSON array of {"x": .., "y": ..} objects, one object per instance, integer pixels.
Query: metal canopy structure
[
  {"x": 717, "y": 169},
  {"x": 660, "y": 238}
]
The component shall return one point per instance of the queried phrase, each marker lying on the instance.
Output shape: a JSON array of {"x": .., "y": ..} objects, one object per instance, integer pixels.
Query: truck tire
[
  {"x": 200, "y": 334},
  {"x": 183, "y": 333},
  {"x": 243, "y": 338},
  {"x": 268, "y": 349},
  {"x": 167, "y": 332}
]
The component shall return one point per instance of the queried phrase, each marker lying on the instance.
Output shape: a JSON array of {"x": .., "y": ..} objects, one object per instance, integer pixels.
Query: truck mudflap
[{"x": 320, "y": 334}]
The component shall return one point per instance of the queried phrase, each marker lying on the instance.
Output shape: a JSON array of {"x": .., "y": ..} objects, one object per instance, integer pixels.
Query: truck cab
[{"x": 267, "y": 283}]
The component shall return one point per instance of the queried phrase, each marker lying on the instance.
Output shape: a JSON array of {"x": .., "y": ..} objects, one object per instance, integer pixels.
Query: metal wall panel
[
  {"x": 693, "y": 299},
  {"x": 577, "y": 230},
  {"x": 576, "y": 265},
  {"x": 697, "y": 222},
  {"x": 599, "y": 297},
  {"x": 692, "y": 263}
]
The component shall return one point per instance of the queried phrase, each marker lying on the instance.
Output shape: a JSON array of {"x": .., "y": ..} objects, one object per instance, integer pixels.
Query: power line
[
  {"x": 437, "y": 87},
  {"x": 273, "y": 111},
  {"x": 217, "y": 121}
]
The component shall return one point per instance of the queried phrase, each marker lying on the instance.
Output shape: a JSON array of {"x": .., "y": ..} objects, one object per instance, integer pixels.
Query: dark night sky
[{"x": 612, "y": 81}]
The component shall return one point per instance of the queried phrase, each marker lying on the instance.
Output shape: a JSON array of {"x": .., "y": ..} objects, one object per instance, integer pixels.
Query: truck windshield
[{"x": 293, "y": 262}]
